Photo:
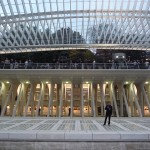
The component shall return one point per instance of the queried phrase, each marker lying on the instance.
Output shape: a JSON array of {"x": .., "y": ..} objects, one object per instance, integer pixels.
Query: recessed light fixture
[
  {"x": 146, "y": 82},
  {"x": 87, "y": 82},
  {"x": 27, "y": 82},
  {"x": 126, "y": 82},
  {"x": 106, "y": 82},
  {"x": 67, "y": 82},
  {"x": 7, "y": 82},
  {"x": 46, "y": 82}
]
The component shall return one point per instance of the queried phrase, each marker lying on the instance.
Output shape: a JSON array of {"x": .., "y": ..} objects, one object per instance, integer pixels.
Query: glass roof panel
[{"x": 75, "y": 24}]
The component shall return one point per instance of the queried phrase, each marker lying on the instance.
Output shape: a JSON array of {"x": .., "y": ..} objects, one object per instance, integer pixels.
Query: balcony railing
[{"x": 73, "y": 66}]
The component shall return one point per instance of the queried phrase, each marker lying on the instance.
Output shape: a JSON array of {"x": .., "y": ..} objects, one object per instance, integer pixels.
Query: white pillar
[
  {"x": 82, "y": 101},
  {"x": 71, "y": 99},
  {"x": 4, "y": 91},
  {"x": 33, "y": 99},
  {"x": 126, "y": 102},
  {"x": 120, "y": 94},
  {"x": 24, "y": 99},
  {"x": 131, "y": 100},
  {"x": 28, "y": 100},
  {"x": 145, "y": 96},
  {"x": 61, "y": 100},
  {"x": 50, "y": 103},
  {"x": 103, "y": 102},
  {"x": 42, "y": 92},
  {"x": 18, "y": 99},
  {"x": 114, "y": 99},
  {"x": 92, "y": 100},
  {"x": 136, "y": 99},
  {"x": 5, "y": 103}
]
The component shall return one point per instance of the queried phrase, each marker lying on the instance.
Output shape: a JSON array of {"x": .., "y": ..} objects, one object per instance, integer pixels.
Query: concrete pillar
[
  {"x": 146, "y": 99},
  {"x": 92, "y": 100},
  {"x": 58, "y": 99},
  {"x": 125, "y": 100},
  {"x": 120, "y": 98},
  {"x": 23, "y": 101},
  {"x": 71, "y": 99},
  {"x": 131, "y": 99},
  {"x": 33, "y": 107},
  {"x": 50, "y": 102},
  {"x": 14, "y": 97},
  {"x": 136, "y": 99},
  {"x": 61, "y": 100},
  {"x": 96, "y": 100},
  {"x": 6, "y": 98},
  {"x": 82, "y": 101},
  {"x": 18, "y": 100},
  {"x": 114, "y": 99},
  {"x": 4, "y": 91},
  {"x": 28, "y": 100},
  {"x": 40, "y": 99},
  {"x": 88, "y": 100},
  {"x": 103, "y": 102}
]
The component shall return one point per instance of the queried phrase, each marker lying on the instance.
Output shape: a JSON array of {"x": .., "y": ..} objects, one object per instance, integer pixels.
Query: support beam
[
  {"x": 114, "y": 99},
  {"x": 136, "y": 99},
  {"x": 126, "y": 102}
]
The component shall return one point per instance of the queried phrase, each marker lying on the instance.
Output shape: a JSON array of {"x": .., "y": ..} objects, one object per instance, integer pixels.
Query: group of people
[{"x": 14, "y": 64}]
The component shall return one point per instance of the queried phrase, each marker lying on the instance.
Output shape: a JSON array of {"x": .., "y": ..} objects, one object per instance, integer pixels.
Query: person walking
[{"x": 108, "y": 109}]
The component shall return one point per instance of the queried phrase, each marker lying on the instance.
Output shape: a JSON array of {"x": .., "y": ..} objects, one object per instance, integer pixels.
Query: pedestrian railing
[{"x": 73, "y": 66}]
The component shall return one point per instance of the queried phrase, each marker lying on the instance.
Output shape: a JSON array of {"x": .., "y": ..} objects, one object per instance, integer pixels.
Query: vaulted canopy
[{"x": 41, "y": 25}]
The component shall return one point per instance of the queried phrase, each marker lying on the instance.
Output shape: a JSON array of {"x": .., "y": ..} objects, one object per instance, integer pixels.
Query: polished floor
[{"x": 74, "y": 129}]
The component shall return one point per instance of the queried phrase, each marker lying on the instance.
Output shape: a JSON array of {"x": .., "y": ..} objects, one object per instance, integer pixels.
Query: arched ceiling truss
[{"x": 45, "y": 25}]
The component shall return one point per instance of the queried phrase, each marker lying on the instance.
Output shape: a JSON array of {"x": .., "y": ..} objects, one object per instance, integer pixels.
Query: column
[
  {"x": 18, "y": 99},
  {"x": 71, "y": 99},
  {"x": 41, "y": 96},
  {"x": 82, "y": 101},
  {"x": 28, "y": 100},
  {"x": 114, "y": 99},
  {"x": 103, "y": 103},
  {"x": 136, "y": 99},
  {"x": 61, "y": 100},
  {"x": 125, "y": 100},
  {"x": 32, "y": 99},
  {"x": 5, "y": 97},
  {"x": 58, "y": 100},
  {"x": 92, "y": 100},
  {"x": 51, "y": 97}
]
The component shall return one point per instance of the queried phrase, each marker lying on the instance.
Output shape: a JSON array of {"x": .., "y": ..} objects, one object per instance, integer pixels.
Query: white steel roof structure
[{"x": 40, "y": 25}]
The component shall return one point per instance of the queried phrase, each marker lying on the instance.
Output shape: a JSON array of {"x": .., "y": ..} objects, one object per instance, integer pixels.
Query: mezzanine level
[{"x": 31, "y": 65}]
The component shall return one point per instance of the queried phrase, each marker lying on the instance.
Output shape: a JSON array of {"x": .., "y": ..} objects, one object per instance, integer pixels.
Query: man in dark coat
[{"x": 108, "y": 109}]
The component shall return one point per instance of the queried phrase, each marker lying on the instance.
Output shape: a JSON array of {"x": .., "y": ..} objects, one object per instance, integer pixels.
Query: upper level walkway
[{"x": 31, "y": 65}]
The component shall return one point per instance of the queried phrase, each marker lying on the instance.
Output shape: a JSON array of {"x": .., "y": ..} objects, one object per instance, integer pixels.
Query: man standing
[
  {"x": 108, "y": 109},
  {"x": 69, "y": 111}
]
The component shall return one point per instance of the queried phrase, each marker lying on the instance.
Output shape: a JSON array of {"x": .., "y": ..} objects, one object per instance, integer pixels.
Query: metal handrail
[{"x": 73, "y": 66}]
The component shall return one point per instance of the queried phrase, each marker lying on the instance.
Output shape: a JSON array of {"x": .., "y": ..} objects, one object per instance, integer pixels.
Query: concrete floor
[
  {"x": 74, "y": 133},
  {"x": 74, "y": 129}
]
